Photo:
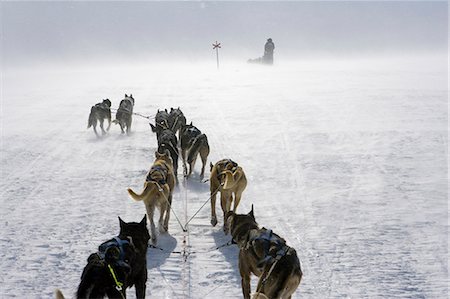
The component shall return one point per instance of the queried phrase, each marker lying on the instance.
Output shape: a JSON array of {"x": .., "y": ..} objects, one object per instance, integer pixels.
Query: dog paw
[
  {"x": 163, "y": 229},
  {"x": 225, "y": 230},
  {"x": 213, "y": 221}
]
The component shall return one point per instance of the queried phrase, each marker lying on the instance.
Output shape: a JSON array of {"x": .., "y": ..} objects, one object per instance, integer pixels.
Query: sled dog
[
  {"x": 157, "y": 193},
  {"x": 124, "y": 114},
  {"x": 176, "y": 120},
  {"x": 167, "y": 140},
  {"x": 161, "y": 122},
  {"x": 193, "y": 143},
  {"x": 229, "y": 179},
  {"x": 119, "y": 264},
  {"x": 266, "y": 255},
  {"x": 100, "y": 112}
]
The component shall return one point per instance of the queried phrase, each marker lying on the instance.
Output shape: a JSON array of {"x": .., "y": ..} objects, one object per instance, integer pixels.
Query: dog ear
[
  {"x": 191, "y": 123},
  {"x": 165, "y": 109},
  {"x": 121, "y": 222},
  {"x": 144, "y": 221},
  {"x": 131, "y": 95},
  {"x": 126, "y": 96},
  {"x": 251, "y": 213},
  {"x": 153, "y": 128},
  {"x": 171, "y": 109},
  {"x": 210, "y": 166}
]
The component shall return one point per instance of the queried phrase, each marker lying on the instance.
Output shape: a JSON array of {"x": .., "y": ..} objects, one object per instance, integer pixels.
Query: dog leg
[
  {"x": 129, "y": 126},
  {"x": 213, "y": 204},
  {"x": 140, "y": 285},
  {"x": 161, "y": 223},
  {"x": 109, "y": 122},
  {"x": 183, "y": 157},
  {"x": 150, "y": 212},
  {"x": 237, "y": 200},
  {"x": 101, "y": 127},
  {"x": 245, "y": 283},
  {"x": 226, "y": 205},
  {"x": 191, "y": 166},
  {"x": 95, "y": 130},
  {"x": 204, "y": 155},
  {"x": 166, "y": 220}
]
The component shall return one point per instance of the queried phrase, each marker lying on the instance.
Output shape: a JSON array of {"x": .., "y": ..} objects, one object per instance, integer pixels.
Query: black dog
[
  {"x": 100, "y": 112},
  {"x": 176, "y": 120},
  {"x": 193, "y": 142},
  {"x": 124, "y": 114},
  {"x": 119, "y": 264},
  {"x": 167, "y": 140},
  {"x": 161, "y": 122}
]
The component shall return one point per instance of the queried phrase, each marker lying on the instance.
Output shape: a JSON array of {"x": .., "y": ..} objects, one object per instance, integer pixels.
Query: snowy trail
[{"x": 348, "y": 165}]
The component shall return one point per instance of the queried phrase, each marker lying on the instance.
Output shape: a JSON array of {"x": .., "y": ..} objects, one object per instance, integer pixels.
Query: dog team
[{"x": 120, "y": 262}]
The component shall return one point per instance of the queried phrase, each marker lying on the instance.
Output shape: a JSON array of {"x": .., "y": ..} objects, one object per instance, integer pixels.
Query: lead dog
[
  {"x": 229, "y": 179},
  {"x": 266, "y": 255},
  {"x": 157, "y": 193},
  {"x": 124, "y": 114},
  {"x": 100, "y": 112}
]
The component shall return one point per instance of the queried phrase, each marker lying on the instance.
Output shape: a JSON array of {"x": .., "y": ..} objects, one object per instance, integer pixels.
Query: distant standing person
[{"x": 268, "y": 52}]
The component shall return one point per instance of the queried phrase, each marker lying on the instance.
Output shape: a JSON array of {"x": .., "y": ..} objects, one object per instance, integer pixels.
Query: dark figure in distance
[{"x": 268, "y": 52}]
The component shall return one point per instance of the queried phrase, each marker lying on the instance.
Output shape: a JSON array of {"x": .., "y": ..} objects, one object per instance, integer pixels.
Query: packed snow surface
[{"x": 347, "y": 162}]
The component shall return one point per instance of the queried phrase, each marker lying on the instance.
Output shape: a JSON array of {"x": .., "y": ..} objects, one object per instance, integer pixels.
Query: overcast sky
[{"x": 73, "y": 31}]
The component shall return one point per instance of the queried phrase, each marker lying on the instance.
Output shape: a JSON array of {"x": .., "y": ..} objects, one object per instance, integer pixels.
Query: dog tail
[
  {"x": 199, "y": 141},
  {"x": 231, "y": 179},
  {"x": 59, "y": 294},
  {"x": 149, "y": 189},
  {"x": 91, "y": 119}
]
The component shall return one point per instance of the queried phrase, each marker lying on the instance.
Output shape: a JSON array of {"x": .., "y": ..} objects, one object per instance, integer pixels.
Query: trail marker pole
[{"x": 217, "y": 46}]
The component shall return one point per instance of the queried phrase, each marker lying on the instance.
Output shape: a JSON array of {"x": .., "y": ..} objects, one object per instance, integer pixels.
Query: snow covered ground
[{"x": 348, "y": 162}]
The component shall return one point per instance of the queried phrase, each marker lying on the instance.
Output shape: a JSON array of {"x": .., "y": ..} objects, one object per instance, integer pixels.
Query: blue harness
[
  {"x": 114, "y": 248},
  {"x": 270, "y": 240}
]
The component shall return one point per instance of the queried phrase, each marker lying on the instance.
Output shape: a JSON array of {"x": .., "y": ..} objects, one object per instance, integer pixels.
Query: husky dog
[
  {"x": 119, "y": 264},
  {"x": 167, "y": 140},
  {"x": 228, "y": 178},
  {"x": 176, "y": 120},
  {"x": 266, "y": 255},
  {"x": 124, "y": 114},
  {"x": 193, "y": 142},
  {"x": 100, "y": 112},
  {"x": 158, "y": 188},
  {"x": 161, "y": 122}
]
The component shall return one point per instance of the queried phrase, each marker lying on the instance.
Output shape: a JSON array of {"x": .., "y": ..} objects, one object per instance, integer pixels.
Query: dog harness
[
  {"x": 274, "y": 247},
  {"x": 160, "y": 169},
  {"x": 112, "y": 253},
  {"x": 102, "y": 106},
  {"x": 225, "y": 164},
  {"x": 114, "y": 248}
]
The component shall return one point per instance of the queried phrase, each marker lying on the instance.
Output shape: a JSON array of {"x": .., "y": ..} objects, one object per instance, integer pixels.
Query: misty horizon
[{"x": 71, "y": 32}]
